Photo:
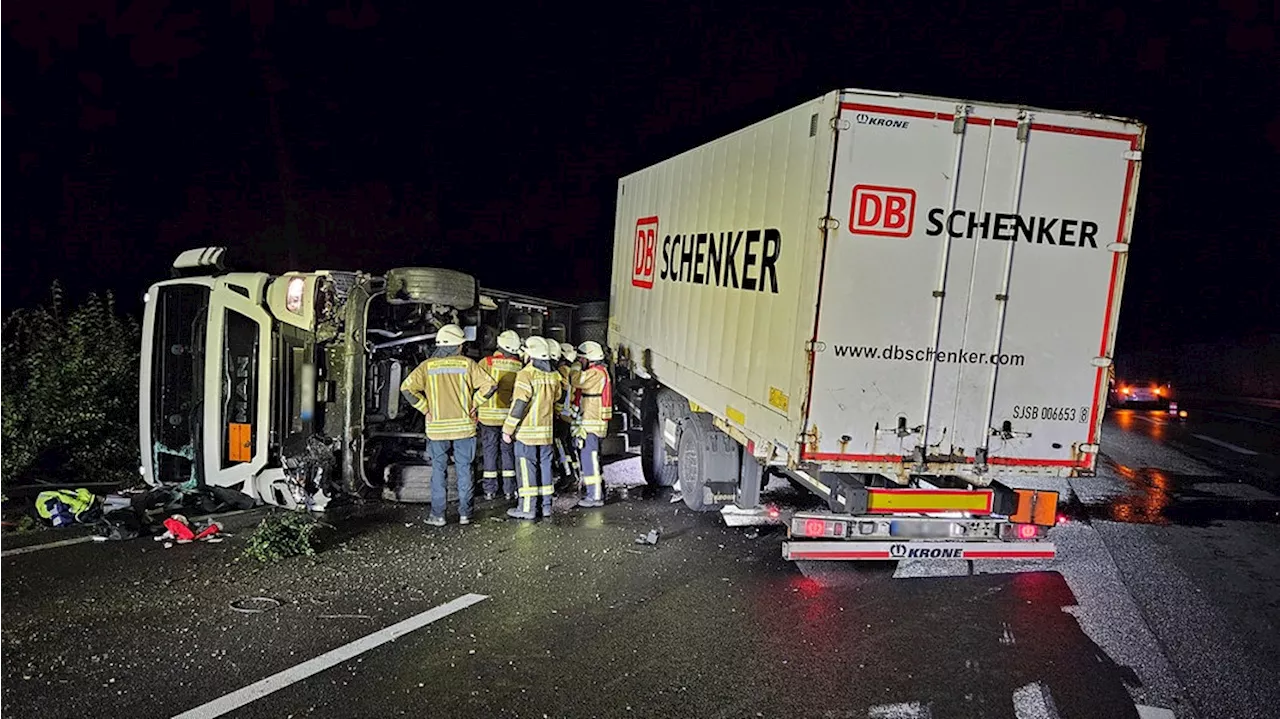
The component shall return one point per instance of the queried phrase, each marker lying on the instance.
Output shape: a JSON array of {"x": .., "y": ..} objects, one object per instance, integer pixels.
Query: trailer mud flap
[{"x": 916, "y": 550}]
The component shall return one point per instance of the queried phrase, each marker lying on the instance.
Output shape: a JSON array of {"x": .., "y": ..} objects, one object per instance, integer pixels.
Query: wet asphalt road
[{"x": 1164, "y": 594}]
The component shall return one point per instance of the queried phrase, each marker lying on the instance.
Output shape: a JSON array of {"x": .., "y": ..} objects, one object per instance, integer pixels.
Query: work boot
[
  {"x": 488, "y": 496},
  {"x": 435, "y": 521},
  {"x": 590, "y": 503},
  {"x": 517, "y": 514},
  {"x": 511, "y": 496},
  {"x": 464, "y": 520}
]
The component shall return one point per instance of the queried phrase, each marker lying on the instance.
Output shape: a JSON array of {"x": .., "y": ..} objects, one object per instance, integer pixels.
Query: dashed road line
[
  {"x": 311, "y": 667},
  {"x": 1225, "y": 445}
]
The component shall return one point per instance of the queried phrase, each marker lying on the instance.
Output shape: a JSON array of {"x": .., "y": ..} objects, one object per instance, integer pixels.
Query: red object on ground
[
  {"x": 209, "y": 531},
  {"x": 178, "y": 528}
]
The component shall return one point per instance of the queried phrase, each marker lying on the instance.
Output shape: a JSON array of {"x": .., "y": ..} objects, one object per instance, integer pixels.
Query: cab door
[{"x": 237, "y": 411}]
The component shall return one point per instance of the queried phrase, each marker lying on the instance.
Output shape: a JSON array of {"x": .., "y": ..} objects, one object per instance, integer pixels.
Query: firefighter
[
  {"x": 593, "y": 392},
  {"x": 562, "y": 458},
  {"x": 448, "y": 388},
  {"x": 502, "y": 366},
  {"x": 529, "y": 424}
]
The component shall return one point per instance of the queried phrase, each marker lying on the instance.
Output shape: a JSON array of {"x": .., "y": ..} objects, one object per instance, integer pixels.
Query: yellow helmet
[
  {"x": 568, "y": 352},
  {"x": 592, "y": 351},
  {"x": 509, "y": 342},
  {"x": 450, "y": 336},
  {"x": 553, "y": 350},
  {"x": 536, "y": 348}
]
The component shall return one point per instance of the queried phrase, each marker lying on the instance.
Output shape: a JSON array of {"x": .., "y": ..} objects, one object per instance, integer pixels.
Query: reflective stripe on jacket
[
  {"x": 539, "y": 390},
  {"x": 503, "y": 370},
  {"x": 447, "y": 389}
]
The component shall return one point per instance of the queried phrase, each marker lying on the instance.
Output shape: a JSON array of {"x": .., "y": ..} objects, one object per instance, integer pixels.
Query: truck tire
[
  {"x": 593, "y": 332},
  {"x": 706, "y": 455},
  {"x": 593, "y": 312},
  {"x": 661, "y": 469},
  {"x": 431, "y": 285}
]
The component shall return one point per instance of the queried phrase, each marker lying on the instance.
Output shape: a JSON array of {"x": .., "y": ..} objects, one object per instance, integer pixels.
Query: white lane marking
[
  {"x": 1034, "y": 701},
  {"x": 276, "y": 682},
  {"x": 905, "y": 710},
  {"x": 1146, "y": 712},
  {"x": 1225, "y": 445},
  {"x": 46, "y": 545}
]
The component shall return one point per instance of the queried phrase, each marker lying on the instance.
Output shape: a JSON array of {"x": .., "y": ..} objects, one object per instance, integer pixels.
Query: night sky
[{"x": 369, "y": 135}]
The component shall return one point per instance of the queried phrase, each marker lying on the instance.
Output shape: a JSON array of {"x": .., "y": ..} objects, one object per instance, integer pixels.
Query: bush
[
  {"x": 70, "y": 393},
  {"x": 284, "y": 535}
]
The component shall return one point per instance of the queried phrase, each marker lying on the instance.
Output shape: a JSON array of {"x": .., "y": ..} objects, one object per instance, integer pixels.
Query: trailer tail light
[
  {"x": 1035, "y": 507},
  {"x": 817, "y": 527},
  {"x": 1022, "y": 532}
]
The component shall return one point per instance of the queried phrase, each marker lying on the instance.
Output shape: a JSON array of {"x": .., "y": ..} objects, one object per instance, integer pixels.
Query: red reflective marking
[
  {"x": 886, "y": 110},
  {"x": 1020, "y": 554},
  {"x": 1085, "y": 132},
  {"x": 839, "y": 554}
]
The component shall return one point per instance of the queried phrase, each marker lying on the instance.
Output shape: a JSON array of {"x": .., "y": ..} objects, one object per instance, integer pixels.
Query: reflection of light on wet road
[{"x": 1148, "y": 499}]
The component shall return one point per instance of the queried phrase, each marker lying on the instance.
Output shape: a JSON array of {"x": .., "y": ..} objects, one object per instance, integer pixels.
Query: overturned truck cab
[{"x": 287, "y": 387}]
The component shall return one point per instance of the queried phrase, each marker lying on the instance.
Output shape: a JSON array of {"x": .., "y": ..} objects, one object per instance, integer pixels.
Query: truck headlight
[{"x": 293, "y": 297}]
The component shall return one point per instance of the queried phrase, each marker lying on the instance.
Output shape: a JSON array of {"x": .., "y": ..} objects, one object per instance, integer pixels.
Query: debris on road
[
  {"x": 651, "y": 538},
  {"x": 254, "y": 605}
]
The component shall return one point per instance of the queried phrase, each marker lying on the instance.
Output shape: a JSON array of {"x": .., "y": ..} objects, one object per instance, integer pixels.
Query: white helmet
[
  {"x": 553, "y": 350},
  {"x": 592, "y": 351},
  {"x": 537, "y": 349},
  {"x": 509, "y": 342},
  {"x": 568, "y": 352},
  {"x": 450, "y": 336}
]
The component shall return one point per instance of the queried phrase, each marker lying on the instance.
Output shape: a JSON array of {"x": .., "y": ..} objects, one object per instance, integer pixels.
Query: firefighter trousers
[
  {"x": 536, "y": 481},
  {"x": 497, "y": 454},
  {"x": 592, "y": 477}
]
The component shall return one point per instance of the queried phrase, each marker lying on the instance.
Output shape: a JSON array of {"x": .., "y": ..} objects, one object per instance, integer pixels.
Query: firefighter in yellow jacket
[
  {"x": 448, "y": 388},
  {"x": 530, "y": 425},
  {"x": 593, "y": 395},
  {"x": 502, "y": 365}
]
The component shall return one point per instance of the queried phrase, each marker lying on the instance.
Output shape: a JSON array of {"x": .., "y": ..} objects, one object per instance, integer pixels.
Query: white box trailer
[{"x": 876, "y": 294}]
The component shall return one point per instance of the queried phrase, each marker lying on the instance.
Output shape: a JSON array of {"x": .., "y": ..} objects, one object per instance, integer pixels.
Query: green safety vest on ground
[{"x": 77, "y": 500}]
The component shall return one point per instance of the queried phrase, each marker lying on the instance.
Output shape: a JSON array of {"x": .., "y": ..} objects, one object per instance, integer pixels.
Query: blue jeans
[{"x": 464, "y": 453}]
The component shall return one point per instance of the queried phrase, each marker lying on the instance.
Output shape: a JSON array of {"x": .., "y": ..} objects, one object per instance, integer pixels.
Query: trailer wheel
[
  {"x": 431, "y": 285},
  {"x": 706, "y": 455},
  {"x": 662, "y": 469}
]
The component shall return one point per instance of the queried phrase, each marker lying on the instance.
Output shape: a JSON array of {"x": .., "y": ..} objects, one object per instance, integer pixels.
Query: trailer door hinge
[
  {"x": 1133, "y": 155},
  {"x": 1100, "y": 362},
  {"x": 960, "y": 120},
  {"x": 839, "y": 124},
  {"x": 814, "y": 346},
  {"x": 1024, "y": 126},
  {"x": 828, "y": 223}
]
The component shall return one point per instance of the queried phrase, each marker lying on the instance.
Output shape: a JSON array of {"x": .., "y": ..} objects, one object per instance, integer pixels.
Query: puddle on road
[{"x": 1159, "y": 497}]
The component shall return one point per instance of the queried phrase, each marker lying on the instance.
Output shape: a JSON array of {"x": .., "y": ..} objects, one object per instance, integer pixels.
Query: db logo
[
  {"x": 897, "y": 551},
  {"x": 642, "y": 259},
  {"x": 882, "y": 211}
]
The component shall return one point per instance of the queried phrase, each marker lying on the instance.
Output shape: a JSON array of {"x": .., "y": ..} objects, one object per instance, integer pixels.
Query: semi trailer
[{"x": 900, "y": 303}]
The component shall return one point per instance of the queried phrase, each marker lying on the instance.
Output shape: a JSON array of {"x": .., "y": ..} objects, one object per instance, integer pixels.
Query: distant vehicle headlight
[{"x": 293, "y": 298}]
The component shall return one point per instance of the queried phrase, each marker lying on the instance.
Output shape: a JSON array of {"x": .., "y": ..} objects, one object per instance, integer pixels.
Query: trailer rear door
[{"x": 970, "y": 291}]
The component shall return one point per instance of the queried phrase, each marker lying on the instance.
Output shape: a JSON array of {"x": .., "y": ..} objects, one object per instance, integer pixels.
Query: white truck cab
[{"x": 287, "y": 387}]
